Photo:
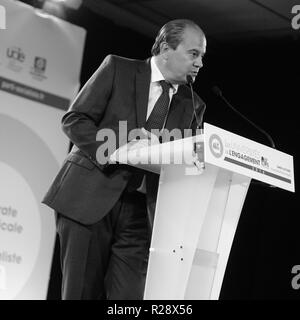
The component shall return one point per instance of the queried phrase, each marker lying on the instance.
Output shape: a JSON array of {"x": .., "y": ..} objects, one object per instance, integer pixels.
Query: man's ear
[{"x": 164, "y": 49}]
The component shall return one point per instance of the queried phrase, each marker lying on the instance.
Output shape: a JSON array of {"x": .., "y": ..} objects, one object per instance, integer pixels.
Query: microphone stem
[
  {"x": 248, "y": 120},
  {"x": 195, "y": 113}
]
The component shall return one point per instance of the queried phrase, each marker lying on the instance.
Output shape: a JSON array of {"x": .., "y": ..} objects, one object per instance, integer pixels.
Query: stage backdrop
[{"x": 40, "y": 60}]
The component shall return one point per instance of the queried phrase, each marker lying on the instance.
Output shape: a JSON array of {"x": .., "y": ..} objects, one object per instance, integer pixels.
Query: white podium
[{"x": 198, "y": 207}]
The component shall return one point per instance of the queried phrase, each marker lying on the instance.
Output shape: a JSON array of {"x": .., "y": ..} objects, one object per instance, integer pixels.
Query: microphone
[
  {"x": 219, "y": 94},
  {"x": 190, "y": 81}
]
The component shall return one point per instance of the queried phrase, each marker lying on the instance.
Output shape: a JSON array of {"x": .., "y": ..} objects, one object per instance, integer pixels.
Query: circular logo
[{"x": 216, "y": 145}]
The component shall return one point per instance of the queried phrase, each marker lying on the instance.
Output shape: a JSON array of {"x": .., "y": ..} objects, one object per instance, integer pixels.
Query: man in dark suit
[{"x": 104, "y": 217}]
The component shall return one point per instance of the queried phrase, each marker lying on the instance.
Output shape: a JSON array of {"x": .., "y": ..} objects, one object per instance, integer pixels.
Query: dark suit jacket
[{"x": 85, "y": 190}]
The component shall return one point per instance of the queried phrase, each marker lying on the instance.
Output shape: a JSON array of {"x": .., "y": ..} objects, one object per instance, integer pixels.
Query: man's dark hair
[{"x": 171, "y": 33}]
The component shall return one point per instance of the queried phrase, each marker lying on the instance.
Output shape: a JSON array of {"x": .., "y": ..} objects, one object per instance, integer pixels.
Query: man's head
[{"x": 178, "y": 49}]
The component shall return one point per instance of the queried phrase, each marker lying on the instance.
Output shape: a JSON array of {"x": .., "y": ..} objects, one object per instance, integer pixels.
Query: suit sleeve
[{"x": 81, "y": 121}]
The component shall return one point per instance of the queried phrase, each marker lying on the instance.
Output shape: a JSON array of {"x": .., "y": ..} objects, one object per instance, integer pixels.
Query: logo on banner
[
  {"x": 16, "y": 58},
  {"x": 2, "y": 17},
  {"x": 264, "y": 162},
  {"x": 216, "y": 146},
  {"x": 39, "y": 68},
  {"x": 15, "y": 53}
]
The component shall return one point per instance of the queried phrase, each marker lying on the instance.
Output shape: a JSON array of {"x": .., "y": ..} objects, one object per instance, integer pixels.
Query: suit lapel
[{"x": 143, "y": 78}]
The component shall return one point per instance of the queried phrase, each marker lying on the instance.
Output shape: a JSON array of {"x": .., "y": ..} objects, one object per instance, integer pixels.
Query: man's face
[{"x": 186, "y": 59}]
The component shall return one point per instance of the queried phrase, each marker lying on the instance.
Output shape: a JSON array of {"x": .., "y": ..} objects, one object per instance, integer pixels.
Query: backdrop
[{"x": 40, "y": 61}]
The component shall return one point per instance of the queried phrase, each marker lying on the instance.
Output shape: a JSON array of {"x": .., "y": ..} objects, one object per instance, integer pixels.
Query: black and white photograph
[{"x": 149, "y": 153}]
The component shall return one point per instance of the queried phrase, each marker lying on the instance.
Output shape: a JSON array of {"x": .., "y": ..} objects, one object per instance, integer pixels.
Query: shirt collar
[{"x": 157, "y": 76}]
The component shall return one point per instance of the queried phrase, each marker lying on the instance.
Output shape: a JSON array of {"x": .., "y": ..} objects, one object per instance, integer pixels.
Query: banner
[
  {"x": 40, "y": 61},
  {"x": 244, "y": 156}
]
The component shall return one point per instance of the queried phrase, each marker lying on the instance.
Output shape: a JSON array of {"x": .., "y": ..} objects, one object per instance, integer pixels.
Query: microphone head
[
  {"x": 189, "y": 79},
  {"x": 217, "y": 91}
]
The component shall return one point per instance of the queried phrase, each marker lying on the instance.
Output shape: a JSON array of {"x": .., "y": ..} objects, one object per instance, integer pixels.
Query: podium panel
[
  {"x": 175, "y": 231},
  {"x": 186, "y": 259},
  {"x": 216, "y": 236}
]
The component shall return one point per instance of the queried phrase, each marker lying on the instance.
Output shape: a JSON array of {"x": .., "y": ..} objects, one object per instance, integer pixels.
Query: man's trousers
[{"x": 106, "y": 260}]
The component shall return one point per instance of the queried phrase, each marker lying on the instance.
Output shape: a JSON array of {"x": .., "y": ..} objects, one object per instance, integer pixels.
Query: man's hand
[
  {"x": 147, "y": 135},
  {"x": 147, "y": 139}
]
